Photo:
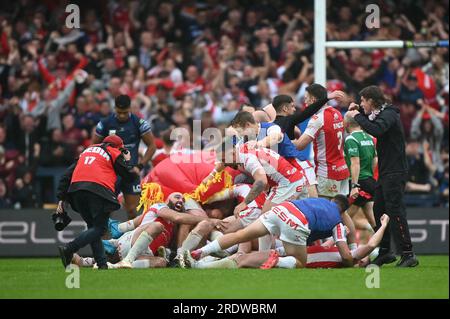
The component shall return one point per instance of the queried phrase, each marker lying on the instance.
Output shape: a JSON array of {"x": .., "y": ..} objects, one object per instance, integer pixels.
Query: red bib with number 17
[{"x": 97, "y": 166}]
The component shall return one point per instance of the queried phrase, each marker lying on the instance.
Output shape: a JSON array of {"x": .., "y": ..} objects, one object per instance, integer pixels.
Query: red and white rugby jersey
[
  {"x": 322, "y": 257},
  {"x": 240, "y": 191},
  {"x": 151, "y": 215},
  {"x": 278, "y": 170},
  {"x": 327, "y": 129}
]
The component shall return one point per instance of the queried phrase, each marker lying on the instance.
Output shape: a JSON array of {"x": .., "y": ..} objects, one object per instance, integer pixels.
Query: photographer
[
  {"x": 89, "y": 186},
  {"x": 382, "y": 121}
]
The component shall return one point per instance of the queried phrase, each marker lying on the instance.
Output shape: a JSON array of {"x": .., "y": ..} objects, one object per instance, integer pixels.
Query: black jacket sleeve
[
  {"x": 64, "y": 182},
  {"x": 312, "y": 109},
  {"x": 123, "y": 169},
  {"x": 380, "y": 125}
]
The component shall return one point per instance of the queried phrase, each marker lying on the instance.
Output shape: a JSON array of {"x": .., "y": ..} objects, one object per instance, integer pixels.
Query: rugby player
[
  {"x": 326, "y": 131},
  {"x": 293, "y": 221},
  {"x": 154, "y": 229},
  {"x": 318, "y": 256},
  {"x": 131, "y": 129}
]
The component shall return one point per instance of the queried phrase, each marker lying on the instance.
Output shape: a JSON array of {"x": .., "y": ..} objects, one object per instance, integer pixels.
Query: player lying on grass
[
  {"x": 293, "y": 221},
  {"x": 206, "y": 229},
  {"x": 117, "y": 229},
  {"x": 154, "y": 229},
  {"x": 140, "y": 262},
  {"x": 318, "y": 256}
]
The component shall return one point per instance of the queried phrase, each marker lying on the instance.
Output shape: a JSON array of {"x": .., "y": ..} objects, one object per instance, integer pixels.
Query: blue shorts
[{"x": 129, "y": 188}]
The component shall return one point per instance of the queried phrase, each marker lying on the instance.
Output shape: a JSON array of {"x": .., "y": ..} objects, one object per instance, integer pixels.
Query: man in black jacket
[
  {"x": 89, "y": 186},
  {"x": 382, "y": 121},
  {"x": 288, "y": 118}
]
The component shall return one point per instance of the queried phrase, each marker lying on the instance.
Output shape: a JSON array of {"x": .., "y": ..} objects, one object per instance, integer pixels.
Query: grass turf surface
[{"x": 45, "y": 278}]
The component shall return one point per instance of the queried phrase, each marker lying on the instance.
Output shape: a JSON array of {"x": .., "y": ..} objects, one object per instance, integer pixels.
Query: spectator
[
  {"x": 361, "y": 78},
  {"x": 72, "y": 135},
  {"x": 442, "y": 177},
  {"x": 24, "y": 194},
  {"x": 56, "y": 152},
  {"x": 410, "y": 92},
  {"x": 420, "y": 168},
  {"x": 85, "y": 118},
  {"x": 5, "y": 202},
  {"x": 8, "y": 166},
  {"x": 426, "y": 126},
  {"x": 28, "y": 141},
  {"x": 184, "y": 61}
]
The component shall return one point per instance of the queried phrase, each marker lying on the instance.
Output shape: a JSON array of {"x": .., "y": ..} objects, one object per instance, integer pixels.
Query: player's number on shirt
[
  {"x": 340, "y": 139},
  {"x": 88, "y": 160}
]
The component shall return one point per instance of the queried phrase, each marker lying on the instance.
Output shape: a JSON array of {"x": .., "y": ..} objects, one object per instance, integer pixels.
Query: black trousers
[
  {"x": 95, "y": 212},
  {"x": 388, "y": 200}
]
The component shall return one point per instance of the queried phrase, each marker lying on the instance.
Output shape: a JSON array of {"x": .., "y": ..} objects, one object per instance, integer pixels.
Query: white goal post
[{"x": 320, "y": 43}]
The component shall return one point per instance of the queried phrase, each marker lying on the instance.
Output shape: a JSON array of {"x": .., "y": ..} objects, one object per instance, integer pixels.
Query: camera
[
  {"x": 61, "y": 220},
  {"x": 124, "y": 151}
]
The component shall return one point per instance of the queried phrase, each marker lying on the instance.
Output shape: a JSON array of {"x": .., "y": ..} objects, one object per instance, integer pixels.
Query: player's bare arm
[
  {"x": 148, "y": 140},
  {"x": 258, "y": 186},
  {"x": 180, "y": 218},
  {"x": 355, "y": 168},
  {"x": 302, "y": 142}
]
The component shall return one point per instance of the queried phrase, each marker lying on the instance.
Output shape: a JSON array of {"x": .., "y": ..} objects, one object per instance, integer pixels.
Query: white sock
[
  {"x": 140, "y": 245},
  {"x": 126, "y": 226},
  {"x": 208, "y": 259},
  {"x": 141, "y": 263},
  {"x": 278, "y": 243},
  {"x": 222, "y": 263},
  {"x": 232, "y": 249},
  {"x": 87, "y": 262},
  {"x": 374, "y": 253},
  {"x": 192, "y": 241},
  {"x": 212, "y": 247},
  {"x": 281, "y": 251},
  {"x": 265, "y": 242},
  {"x": 286, "y": 262},
  {"x": 215, "y": 234},
  {"x": 180, "y": 251}
]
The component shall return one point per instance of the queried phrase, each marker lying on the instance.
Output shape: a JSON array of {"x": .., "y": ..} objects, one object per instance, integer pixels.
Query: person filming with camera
[
  {"x": 88, "y": 185},
  {"x": 381, "y": 119}
]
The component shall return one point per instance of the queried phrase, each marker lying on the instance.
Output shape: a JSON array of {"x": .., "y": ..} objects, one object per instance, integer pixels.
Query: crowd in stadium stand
[{"x": 181, "y": 61}]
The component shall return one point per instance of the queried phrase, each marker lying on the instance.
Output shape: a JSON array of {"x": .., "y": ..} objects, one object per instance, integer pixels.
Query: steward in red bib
[{"x": 89, "y": 186}]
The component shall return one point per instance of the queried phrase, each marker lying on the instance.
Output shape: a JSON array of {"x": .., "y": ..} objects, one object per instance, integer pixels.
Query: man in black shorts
[
  {"x": 361, "y": 157},
  {"x": 131, "y": 129}
]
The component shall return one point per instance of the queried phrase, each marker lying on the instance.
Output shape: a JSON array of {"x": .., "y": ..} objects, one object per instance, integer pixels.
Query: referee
[{"x": 382, "y": 120}]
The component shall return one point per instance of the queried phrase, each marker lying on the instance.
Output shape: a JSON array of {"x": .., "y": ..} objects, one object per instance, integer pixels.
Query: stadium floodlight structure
[{"x": 321, "y": 44}]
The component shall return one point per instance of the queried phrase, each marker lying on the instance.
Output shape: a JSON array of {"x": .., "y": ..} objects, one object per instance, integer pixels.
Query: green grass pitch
[{"x": 45, "y": 278}]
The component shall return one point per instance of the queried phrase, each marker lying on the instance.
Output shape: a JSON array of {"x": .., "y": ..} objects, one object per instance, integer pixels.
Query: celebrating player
[
  {"x": 326, "y": 131},
  {"x": 155, "y": 229},
  {"x": 293, "y": 221},
  {"x": 318, "y": 256}
]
